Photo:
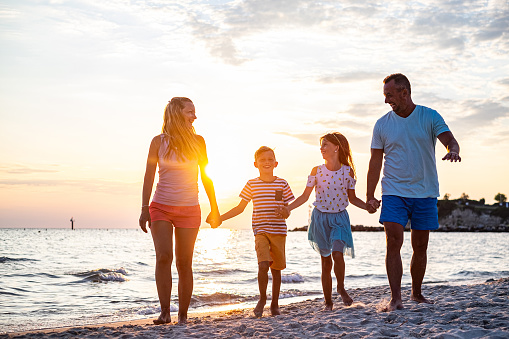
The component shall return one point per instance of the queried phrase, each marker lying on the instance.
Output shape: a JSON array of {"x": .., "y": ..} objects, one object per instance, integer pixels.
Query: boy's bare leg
[
  {"x": 418, "y": 264},
  {"x": 276, "y": 286},
  {"x": 339, "y": 271},
  {"x": 263, "y": 280},
  {"x": 327, "y": 282},
  {"x": 394, "y": 237}
]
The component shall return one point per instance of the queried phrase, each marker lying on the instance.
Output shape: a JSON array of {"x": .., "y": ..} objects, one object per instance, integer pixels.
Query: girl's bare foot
[
  {"x": 347, "y": 300},
  {"x": 164, "y": 317},
  {"x": 258, "y": 310},
  {"x": 274, "y": 310}
]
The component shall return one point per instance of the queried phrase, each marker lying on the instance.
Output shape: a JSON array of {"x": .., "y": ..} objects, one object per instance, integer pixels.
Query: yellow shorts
[{"x": 271, "y": 247}]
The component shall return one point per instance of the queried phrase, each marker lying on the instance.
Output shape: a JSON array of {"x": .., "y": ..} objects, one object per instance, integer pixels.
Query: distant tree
[
  {"x": 482, "y": 201},
  {"x": 500, "y": 197},
  {"x": 447, "y": 196},
  {"x": 464, "y": 196}
]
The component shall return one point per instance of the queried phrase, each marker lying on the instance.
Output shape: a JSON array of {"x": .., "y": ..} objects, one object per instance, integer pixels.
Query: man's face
[{"x": 395, "y": 97}]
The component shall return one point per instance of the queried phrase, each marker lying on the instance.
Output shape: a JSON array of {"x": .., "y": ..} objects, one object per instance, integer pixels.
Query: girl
[
  {"x": 179, "y": 152},
  {"x": 329, "y": 230}
]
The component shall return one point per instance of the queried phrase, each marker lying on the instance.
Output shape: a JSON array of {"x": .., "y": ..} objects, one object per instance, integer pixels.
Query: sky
[{"x": 84, "y": 84}]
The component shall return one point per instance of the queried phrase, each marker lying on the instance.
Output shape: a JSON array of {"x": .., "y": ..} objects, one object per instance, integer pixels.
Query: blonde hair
[
  {"x": 182, "y": 139},
  {"x": 263, "y": 149},
  {"x": 344, "y": 152}
]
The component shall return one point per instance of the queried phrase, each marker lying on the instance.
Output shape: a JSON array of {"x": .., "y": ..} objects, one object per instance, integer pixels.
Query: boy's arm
[{"x": 235, "y": 211}]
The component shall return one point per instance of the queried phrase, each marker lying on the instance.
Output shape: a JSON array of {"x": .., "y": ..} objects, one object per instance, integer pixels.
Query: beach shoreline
[{"x": 460, "y": 311}]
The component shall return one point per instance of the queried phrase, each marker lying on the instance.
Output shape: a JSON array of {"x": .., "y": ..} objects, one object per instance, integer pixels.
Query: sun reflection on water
[{"x": 214, "y": 245}]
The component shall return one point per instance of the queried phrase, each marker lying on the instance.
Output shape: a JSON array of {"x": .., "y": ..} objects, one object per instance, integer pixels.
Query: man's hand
[
  {"x": 452, "y": 156},
  {"x": 372, "y": 205}
]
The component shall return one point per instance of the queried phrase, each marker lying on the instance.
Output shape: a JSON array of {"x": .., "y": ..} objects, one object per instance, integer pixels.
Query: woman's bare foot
[
  {"x": 393, "y": 305},
  {"x": 182, "y": 319},
  {"x": 274, "y": 310},
  {"x": 327, "y": 306},
  {"x": 420, "y": 299},
  {"x": 347, "y": 300},
  {"x": 258, "y": 310},
  {"x": 164, "y": 317}
]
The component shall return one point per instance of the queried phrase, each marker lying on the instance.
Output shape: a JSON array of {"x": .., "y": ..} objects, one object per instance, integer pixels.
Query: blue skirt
[{"x": 325, "y": 228}]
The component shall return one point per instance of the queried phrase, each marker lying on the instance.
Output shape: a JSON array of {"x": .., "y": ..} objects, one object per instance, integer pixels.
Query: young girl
[
  {"x": 329, "y": 231},
  {"x": 179, "y": 152}
]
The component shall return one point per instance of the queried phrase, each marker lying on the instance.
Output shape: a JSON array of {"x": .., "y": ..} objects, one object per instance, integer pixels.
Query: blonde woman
[{"x": 180, "y": 153}]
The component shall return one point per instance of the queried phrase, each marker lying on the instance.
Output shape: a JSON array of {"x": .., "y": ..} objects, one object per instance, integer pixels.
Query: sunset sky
[{"x": 84, "y": 84}]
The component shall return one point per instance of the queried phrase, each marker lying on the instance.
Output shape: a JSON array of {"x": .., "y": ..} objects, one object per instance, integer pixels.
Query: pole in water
[{"x": 72, "y": 223}]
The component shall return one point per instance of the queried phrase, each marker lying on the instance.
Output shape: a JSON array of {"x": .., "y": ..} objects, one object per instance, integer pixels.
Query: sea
[{"x": 61, "y": 277}]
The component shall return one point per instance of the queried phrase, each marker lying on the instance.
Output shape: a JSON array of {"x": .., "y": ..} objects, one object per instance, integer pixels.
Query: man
[{"x": 407, "y": 136}]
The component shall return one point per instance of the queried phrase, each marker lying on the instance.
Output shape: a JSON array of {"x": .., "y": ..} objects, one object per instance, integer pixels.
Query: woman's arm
[
  {"x": 213, "y": 218},
  {"x": 148, "y": 182}
]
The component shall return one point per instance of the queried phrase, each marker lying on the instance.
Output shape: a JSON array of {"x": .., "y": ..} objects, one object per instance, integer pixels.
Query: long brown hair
[
  {"x": 182, "y": 139},
  {"x": 344, "y": 152}
]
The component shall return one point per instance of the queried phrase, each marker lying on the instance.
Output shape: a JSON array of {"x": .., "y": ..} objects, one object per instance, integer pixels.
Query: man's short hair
[
  {"x": 263, "y": 149},
  {"x": 400, "y": 80}
]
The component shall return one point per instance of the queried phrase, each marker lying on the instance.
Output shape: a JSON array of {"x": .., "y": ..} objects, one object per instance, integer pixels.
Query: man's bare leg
[
  {"x": 327, "y": 282},
  {"x": 394, "y": 237},
  {"x": 420, "y": 241},
  {"x": 339, "y": 271},
  {"x": 263, "y": 280},
  {"x": 276, "y": 286}
]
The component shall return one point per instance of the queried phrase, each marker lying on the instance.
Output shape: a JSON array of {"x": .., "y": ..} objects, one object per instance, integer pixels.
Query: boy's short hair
[{"x": 263, "y": 149}]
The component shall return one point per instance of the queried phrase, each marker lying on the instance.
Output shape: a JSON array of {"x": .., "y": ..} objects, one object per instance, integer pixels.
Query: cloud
[
  {"x": 348, "y": 77},
  {"x": 98, "y": 186},
  {"x": 21, "y": 169}
]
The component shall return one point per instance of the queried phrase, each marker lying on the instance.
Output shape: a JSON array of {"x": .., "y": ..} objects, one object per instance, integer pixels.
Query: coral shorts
[
  {"x": 179, "y": 216},
  {"x": 271, "y": 248}
]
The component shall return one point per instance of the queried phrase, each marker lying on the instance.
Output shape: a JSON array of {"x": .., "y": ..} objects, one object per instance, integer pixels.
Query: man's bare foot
[
  {"x": 258, "y": 310},
  {"x": 347, "y": 300},
  {"x": 274, "y": 310},
  {"x": 164, "y": 317},
  {"x": 393, "y": 305},
  {"x": 420, "y": 299},
  {"x": 327, "y": 306}
]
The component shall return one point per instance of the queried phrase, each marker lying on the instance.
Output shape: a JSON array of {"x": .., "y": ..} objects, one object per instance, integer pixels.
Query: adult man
[{"x": 407, "y": 136}]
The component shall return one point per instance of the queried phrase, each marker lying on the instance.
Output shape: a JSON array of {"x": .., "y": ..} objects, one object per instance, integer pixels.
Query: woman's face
[
  {"x": 328, "y": 149},
  {"x": 189, "y": 114}
]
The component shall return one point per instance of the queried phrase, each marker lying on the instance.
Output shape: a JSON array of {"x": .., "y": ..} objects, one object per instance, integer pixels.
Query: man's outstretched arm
[{"x": 452, "y": 146}]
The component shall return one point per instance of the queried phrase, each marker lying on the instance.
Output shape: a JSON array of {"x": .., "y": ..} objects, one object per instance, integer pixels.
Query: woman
[{"x": 179, "y": 152}]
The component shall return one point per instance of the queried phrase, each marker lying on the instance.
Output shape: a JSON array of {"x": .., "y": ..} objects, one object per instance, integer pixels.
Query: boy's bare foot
[
  {"x": 274, "y": 310},
  {"x": 393, "y": 305},
  {"x": 182, "y": 319},
  {"x": 420, "y": 299},
  {"x": 347, "y": 300},
  {"x": 258, "y": 310},
  {"x": 327, "y": 306},
  {"x": 164, "y": 317}
]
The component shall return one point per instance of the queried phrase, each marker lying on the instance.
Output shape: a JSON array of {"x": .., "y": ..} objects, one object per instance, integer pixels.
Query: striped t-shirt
[{"x": 267, "y": 196}]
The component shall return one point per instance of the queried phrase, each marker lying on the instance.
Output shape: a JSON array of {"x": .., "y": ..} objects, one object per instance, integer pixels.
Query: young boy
[{"x": 268, "y": 192}]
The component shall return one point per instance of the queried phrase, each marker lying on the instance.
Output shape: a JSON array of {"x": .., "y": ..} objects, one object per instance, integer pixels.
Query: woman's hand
[{"x": 144, "y": 218}]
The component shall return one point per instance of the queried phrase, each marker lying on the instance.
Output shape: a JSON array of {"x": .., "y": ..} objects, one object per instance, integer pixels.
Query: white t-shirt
[{"x": 409, "y": 152}]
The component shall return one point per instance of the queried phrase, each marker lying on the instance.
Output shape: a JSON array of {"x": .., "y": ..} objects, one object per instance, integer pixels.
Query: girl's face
[
  {"x": 189, "y": 114},
  {"x": 329, "y": 150}
]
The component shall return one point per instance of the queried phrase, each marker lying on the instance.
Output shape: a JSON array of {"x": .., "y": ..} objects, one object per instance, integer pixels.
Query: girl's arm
[
  {"x": 235, "y": 211},
  {"x": 148, "y": 182},
  {"x": 353, "y": 198},
  {"x": 213, "y": 218}
]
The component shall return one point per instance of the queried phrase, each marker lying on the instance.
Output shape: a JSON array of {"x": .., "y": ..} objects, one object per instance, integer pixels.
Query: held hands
[
  {"x": 452, "y": 156},
  {"x": 372, "y": 205},
  {"x": 214, "y": 219},
  {"x": 282, "y": 212}
]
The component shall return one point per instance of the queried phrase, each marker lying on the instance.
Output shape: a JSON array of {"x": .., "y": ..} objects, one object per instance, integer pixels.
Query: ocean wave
[
  {"x": 149, "y": 310},
  {"x": 466, "y": 273},
  {"x": 221, "y": 272},
  {"x": 7, "y": 259},
  {"x": 218, "y": 298},
  {"x": 292, "y": 278},
  {"x": 104, "y": 275}
]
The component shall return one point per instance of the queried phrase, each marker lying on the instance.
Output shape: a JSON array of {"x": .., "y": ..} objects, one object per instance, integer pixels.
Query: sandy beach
[{"x": 462, "y": 311}]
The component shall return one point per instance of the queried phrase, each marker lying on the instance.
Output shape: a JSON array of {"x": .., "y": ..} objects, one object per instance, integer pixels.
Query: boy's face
[{"x": 266, "y": 162}]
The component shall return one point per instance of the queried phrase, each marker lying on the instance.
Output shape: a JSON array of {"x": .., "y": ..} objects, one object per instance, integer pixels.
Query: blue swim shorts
[{"x": 422, "y": 212}]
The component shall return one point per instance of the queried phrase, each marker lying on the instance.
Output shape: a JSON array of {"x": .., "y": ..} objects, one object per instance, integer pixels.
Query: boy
[{"x": 268, "y": 192}]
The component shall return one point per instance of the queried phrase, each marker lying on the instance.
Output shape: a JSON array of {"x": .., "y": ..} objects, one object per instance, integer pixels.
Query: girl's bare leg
[
  {"x": 339, "y": 271},
  {"x": 327, "y": 282},
  {"x": 162, "y": 235},
  {"x": 184, "y": 249}
]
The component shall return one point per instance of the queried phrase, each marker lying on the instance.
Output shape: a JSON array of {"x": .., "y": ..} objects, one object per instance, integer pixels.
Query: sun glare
[{"x": 213, "y": 244}]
